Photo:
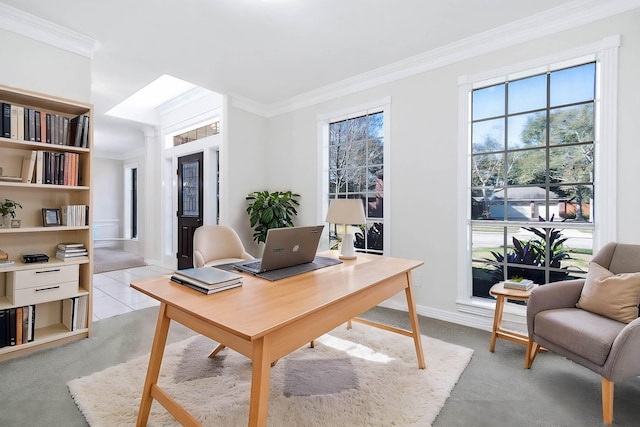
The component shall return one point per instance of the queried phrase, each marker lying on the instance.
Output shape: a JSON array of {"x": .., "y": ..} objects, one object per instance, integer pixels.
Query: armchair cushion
[
  {"x": 615, "y": 296},
  {"x": 565, "y": 327}
]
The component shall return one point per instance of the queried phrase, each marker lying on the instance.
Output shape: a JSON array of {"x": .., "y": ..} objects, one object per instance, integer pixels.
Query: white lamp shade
[{"x": 346, "y": 211}]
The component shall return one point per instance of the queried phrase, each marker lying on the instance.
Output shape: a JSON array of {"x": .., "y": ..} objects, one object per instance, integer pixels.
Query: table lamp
[{"x": 346, "y": 212}]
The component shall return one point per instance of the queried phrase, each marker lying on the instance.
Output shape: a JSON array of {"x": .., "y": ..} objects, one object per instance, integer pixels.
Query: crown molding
[
  {"x": 25, "y": 24},
  {"x": 557, "y": 19},
  {"x": 186, "y": 98}
]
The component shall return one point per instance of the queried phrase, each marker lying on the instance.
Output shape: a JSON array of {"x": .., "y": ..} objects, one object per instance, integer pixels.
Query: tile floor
[{"x": 112, "y": 294}]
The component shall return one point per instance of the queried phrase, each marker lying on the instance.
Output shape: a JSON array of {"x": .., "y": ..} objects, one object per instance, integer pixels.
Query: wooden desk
[{"x": 267, "y": 320}]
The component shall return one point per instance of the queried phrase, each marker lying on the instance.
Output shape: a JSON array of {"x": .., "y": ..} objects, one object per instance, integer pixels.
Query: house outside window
[
  {"x": 355, "y": 169},
  {"x": 532, "y": 157}
]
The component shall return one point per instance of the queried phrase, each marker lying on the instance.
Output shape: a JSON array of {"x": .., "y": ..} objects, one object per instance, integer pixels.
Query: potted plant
[
  {"x": 8, "y": 211},
  {"x": 271, "y": 210}
]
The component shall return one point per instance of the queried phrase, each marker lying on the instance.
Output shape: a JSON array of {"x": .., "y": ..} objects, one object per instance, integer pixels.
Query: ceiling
[{"x": 265, "y": 51}]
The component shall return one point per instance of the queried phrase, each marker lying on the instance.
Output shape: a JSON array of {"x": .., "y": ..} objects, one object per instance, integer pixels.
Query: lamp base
[{"x": 346, "y": 250}]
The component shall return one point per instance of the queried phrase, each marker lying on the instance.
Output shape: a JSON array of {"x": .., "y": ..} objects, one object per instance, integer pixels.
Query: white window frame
[
  {"x": 605, "y": 53},
  {"x": 383, "y": 105}
]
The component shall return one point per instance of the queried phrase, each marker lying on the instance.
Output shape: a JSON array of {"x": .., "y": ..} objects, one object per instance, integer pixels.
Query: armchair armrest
[
  {"x": 564, "y": 294},
  {"x": 623, "y": 359}
]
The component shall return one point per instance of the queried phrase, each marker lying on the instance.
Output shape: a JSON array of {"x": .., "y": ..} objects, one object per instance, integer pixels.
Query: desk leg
[
  {"x": 415, "y": 326},
  {"x": 260, "y": 377},
  {"x": 497, "y": 321},
  {"x": 155, "y": 360}
]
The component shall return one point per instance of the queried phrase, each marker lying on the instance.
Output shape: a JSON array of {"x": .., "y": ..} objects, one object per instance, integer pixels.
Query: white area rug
[{"x": 359, "y": 377}]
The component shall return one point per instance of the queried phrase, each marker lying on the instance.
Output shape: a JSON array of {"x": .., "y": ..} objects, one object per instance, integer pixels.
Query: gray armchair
[{"x": 606, "y": 346}]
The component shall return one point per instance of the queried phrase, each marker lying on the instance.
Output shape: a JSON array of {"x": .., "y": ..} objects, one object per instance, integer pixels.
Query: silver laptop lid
[{"x": 289, "y": 246}]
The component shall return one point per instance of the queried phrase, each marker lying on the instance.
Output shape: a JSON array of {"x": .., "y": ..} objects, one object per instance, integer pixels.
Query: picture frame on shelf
[
  {"x": 15, "y": 223},
  {"x": 50, "y": 217}
]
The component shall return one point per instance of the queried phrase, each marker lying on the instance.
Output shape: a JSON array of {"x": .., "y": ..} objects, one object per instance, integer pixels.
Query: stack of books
[
  {"x": 522, "y": 285},
  {"x": 70, "y": 251},
  {"x": 207, "y": 280}
]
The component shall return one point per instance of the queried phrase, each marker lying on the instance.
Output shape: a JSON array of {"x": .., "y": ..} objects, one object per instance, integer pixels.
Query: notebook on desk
[{"x": 287, "y": 252}]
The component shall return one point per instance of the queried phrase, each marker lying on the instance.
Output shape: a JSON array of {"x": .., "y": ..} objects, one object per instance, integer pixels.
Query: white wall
[
  {"x": 245, "y": 162},
  {"x": 39, "y": 67},
  {"x": 108, "y": 185},
  {"x": 424, "y": 155}
]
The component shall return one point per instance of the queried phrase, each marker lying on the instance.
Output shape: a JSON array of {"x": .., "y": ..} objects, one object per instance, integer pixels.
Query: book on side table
[
  {"x": 207, "y": 280},
  {"x": 522, "y": 285}
]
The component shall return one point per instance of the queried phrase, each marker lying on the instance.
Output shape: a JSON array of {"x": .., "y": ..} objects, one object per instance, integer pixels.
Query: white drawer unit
[{"x": 42, "y": 284}]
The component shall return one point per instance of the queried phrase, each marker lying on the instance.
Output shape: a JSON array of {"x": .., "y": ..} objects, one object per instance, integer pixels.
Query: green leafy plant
[
  {"x": 271, "y": 210},
  {"x": 8, "y": 208},
  {"x": 534, "y": 253}
]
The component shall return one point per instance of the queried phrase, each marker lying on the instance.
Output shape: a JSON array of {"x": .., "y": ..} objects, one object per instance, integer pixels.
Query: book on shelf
[
  {"x": 74, "y": 215},
  {"x": 70, "y": 245},
  {"x": 64, "y": 256},
  {"x": 74, "y": 313},
  {"x": 203, "y": 289},
  {"x": 20, "y": 131},
  {"x": 76, "y": 125},
  {"x": 523, "y": 285},
  {"x": 29, "y": 124},
  {"x": 17, "y": 325},
  {"x": 5, "y": 124},
  {"x": 208, "y": 277},
  {"x": 14, "y": 122},
  {"x": 28, "y": 167}
]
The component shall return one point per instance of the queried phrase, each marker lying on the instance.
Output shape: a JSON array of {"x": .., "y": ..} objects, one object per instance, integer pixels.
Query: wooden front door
[{"x": 190, "y": 212}]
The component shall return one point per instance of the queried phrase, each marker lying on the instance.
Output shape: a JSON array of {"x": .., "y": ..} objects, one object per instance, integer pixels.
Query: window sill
[{"x": 514, "y": 316}]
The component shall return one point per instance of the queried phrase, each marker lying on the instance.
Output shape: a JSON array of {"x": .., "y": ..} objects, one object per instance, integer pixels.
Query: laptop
[{"x": 290, "y": 251}]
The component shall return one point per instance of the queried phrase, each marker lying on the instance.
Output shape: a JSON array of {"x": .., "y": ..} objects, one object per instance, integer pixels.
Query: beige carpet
[{"x": 359, "y": 377}]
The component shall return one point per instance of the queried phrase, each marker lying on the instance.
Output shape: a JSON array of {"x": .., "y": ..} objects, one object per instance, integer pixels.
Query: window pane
[
  {"x": 190, "y": 189},
  {"x": 528, "y": 94},
  {"x": 574, "y": 202},
  {"x": 488, "y": 102},
  {"x": 376, "y": 151},
  {"x": 579, "y": 245},
  {"x": 337, "y": 181},
  {"x": 357, "y": 180},
  {"x": 487, "y": 169},
  {"x": 571, "y": 164},
  {"x": 572, "y": 85},
  {"x": 527, "y": 130},
  {"x": 487, "y": 250},
  {"x": 376, "y": 129},
  {"x": 375, "y": 236},
  {"x": 375, "y": 195},
  {"x": 481, "y": 203},
  {"x": 488, "y": 136},
  {"x": 572, "y": 124},
  {"x": 336, "y": 132},
  {"x": 524, "y": 203},
  {"x": 356, "y": 128},
  {"x": 527, "y": 167}
]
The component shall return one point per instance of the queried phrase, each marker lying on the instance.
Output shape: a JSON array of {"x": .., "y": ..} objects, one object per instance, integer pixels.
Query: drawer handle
[
  {"x": 51, "y": 288},
  {"x": 48, "y": 271}
]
